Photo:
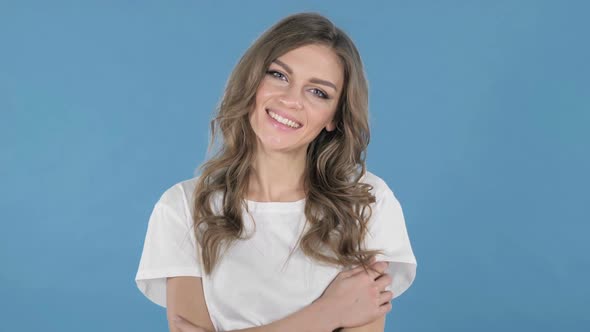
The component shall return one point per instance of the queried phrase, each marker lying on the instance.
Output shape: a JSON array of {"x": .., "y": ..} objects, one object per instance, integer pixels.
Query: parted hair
[{"x": 337, "y": 204}]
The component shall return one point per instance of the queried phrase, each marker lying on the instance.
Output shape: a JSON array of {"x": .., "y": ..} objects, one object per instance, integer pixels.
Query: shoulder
[
  {"x": 179, "y": 191},
  {"x": 385, "y": 199},
  {"x": 179, "y": 195},
  {"x": 379, "y": 186}
]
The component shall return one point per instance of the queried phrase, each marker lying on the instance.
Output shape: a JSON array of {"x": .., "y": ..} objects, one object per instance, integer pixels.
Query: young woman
[{"x": 284, "y": 229}]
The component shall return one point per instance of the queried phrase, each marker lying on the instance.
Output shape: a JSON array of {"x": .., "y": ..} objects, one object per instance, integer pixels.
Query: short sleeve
[
  {"x": 169, "y": 249},
  {"x": 387, "y": 232}
]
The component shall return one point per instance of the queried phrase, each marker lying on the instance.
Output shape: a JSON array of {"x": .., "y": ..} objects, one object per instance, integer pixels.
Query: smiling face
[{"x": 297, "y": 98}]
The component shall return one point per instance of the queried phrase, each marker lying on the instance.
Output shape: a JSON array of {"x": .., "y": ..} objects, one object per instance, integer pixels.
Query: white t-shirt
[{"x": 253, "y": 284}]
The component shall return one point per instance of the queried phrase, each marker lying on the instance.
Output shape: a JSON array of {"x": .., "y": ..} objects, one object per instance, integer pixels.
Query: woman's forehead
[{"x": 313, "y": 60}]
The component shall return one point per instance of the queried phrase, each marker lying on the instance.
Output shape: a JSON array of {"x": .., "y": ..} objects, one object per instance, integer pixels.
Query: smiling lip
[{"x": 282, "y": 114}]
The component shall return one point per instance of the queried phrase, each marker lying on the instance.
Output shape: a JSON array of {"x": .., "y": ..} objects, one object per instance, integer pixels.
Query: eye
[
  {"x": 320, "y": 93},
  {"x": 276, "y": 74}
]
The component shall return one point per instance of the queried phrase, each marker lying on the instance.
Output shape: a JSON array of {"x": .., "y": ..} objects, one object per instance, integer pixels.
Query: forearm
[{"x": 312, "y": 318}]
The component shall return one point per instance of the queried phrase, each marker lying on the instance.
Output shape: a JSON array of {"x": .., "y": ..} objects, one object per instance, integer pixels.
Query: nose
[{"x": 291, "y": 99}]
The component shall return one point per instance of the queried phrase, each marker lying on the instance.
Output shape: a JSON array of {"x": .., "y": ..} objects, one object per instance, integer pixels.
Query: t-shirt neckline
[{"x": 275, "y": 206}]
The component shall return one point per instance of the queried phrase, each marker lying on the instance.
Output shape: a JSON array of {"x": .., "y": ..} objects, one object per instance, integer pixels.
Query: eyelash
[{"x": 319, "y": 94}]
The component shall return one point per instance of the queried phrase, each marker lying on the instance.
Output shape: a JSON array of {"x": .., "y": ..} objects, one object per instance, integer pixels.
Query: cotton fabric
[{"x": 254, "y": 284}]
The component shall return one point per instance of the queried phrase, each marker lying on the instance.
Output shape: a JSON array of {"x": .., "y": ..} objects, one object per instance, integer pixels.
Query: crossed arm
[{"x": 184, "y": 297}]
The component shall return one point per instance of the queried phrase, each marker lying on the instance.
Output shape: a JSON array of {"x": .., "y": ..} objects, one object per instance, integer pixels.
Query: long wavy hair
[{"x": 337, "y": 205}]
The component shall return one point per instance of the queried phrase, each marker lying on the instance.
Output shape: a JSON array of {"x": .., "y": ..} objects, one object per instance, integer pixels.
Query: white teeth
[{"x": 283, "y": 120}]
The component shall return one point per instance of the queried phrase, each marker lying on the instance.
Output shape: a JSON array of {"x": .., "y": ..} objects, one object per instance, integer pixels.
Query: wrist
[{"x": 326, "y": 315}]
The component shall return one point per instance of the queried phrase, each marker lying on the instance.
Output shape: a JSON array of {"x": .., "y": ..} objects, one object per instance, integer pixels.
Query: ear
[{"x": 331, "y": 126}]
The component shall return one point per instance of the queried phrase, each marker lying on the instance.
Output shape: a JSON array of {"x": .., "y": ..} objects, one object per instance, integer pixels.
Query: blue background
[{"x": 480, "y": 114}]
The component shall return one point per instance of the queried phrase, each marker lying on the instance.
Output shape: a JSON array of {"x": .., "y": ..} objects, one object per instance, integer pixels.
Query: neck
[{"x": 277, "y": 177}]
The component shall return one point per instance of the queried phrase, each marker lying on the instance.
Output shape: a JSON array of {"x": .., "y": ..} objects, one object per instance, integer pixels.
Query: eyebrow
[{"x": 312, "y": 80}]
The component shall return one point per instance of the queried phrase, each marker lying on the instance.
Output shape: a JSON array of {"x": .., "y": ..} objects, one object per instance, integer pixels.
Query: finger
[
  {"x": 386, "y": 296},
  {"x": 385, "y": 308},
  {"x": 380, "y": 269},
  {"x": 375, "y": 270},
  {"x": 351, "y": 272},
  {"x": 383, "y": 281},
  {"x": 354, "y": 271},
  {"x": 371, "y": 261},
  {"x": 359, "y": 268}
]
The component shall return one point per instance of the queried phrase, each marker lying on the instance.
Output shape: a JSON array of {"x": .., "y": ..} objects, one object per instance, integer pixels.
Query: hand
[
  {"x": 356, "y": 297},
  {"x": 184, "y": 325}
]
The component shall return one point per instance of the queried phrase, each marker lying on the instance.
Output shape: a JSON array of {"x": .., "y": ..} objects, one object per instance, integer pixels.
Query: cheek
[
  {"x": 265, "y": 89},
  {"x": 322, "y": 117}
]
